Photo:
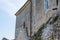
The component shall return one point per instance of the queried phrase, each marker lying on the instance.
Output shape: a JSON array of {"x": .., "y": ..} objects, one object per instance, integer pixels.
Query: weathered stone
[{"x": 31, "y": 24}]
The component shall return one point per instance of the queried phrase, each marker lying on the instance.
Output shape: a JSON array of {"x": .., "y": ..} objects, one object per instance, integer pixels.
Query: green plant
[
  {"x": 54, "y": 19},
  {"x": 37, "y": 36}
]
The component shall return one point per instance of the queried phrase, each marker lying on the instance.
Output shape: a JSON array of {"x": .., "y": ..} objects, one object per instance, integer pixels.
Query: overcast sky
[{"x": 7, "y": 18}]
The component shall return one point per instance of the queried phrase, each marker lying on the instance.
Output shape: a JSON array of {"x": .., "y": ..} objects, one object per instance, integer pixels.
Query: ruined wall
[
  {"x": 49, "y": 30},
  {"x": 39, "y": 16},
  {"x": 23, "y": 22}
]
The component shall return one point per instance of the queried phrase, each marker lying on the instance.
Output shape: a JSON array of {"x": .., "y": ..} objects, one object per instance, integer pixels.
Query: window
[
  {"x": 57, "y": 2},
  {"x": 24, "y": 25},
  {"x": 45, "y": 5},
  {"x": 27, "y": 31}
]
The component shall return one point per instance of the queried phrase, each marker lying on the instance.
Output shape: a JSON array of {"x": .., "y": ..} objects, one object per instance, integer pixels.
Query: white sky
[{"x": 7, "y": 18}]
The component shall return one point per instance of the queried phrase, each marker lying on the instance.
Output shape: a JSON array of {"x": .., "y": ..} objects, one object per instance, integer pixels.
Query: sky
[{"x": 8, "y": 8}]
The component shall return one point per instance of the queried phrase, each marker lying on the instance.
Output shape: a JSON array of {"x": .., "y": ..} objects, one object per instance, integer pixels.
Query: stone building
[{"x": 32, "y": 15}]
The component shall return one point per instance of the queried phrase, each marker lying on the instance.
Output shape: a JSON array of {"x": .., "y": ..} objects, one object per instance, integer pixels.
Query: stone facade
[{"x": 42, "y": 10}]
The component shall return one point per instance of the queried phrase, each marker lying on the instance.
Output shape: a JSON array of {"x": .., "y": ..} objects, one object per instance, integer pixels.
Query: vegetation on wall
[
  {"x": 37, "y": 36},
  {"x": 54, "y": 20}
]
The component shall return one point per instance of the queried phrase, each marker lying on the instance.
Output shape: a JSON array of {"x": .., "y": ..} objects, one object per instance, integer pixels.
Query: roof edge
[{"x": 22, "y": 8}]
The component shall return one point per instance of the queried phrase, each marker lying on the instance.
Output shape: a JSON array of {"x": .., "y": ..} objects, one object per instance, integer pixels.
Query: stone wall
[
  {"x": 49, "y": 30},
  {"x": 39, "y": 16},
  {"x": 23, "y": 17}
]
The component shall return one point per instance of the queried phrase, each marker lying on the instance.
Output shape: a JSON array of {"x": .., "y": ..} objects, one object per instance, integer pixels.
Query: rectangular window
[
  {"x": 57, "y": 2},
  {"x": 24, "y": 25},
  {"x": 27, "y": 31},
  {"x": 45, "y": 5}
]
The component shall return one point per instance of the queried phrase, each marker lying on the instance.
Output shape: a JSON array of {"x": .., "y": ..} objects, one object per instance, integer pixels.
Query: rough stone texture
[
  {"x": 39, "y": 17},
  {"x": 49, "y": 30},
  {"x": 20, "y": 19}
]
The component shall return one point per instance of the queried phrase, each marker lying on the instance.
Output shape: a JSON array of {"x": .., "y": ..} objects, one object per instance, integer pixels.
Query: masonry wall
[
  {"x": 23, "y": 17},
  {"x": 37, "y": 11},
  {"x": 39, "y": 16}
]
